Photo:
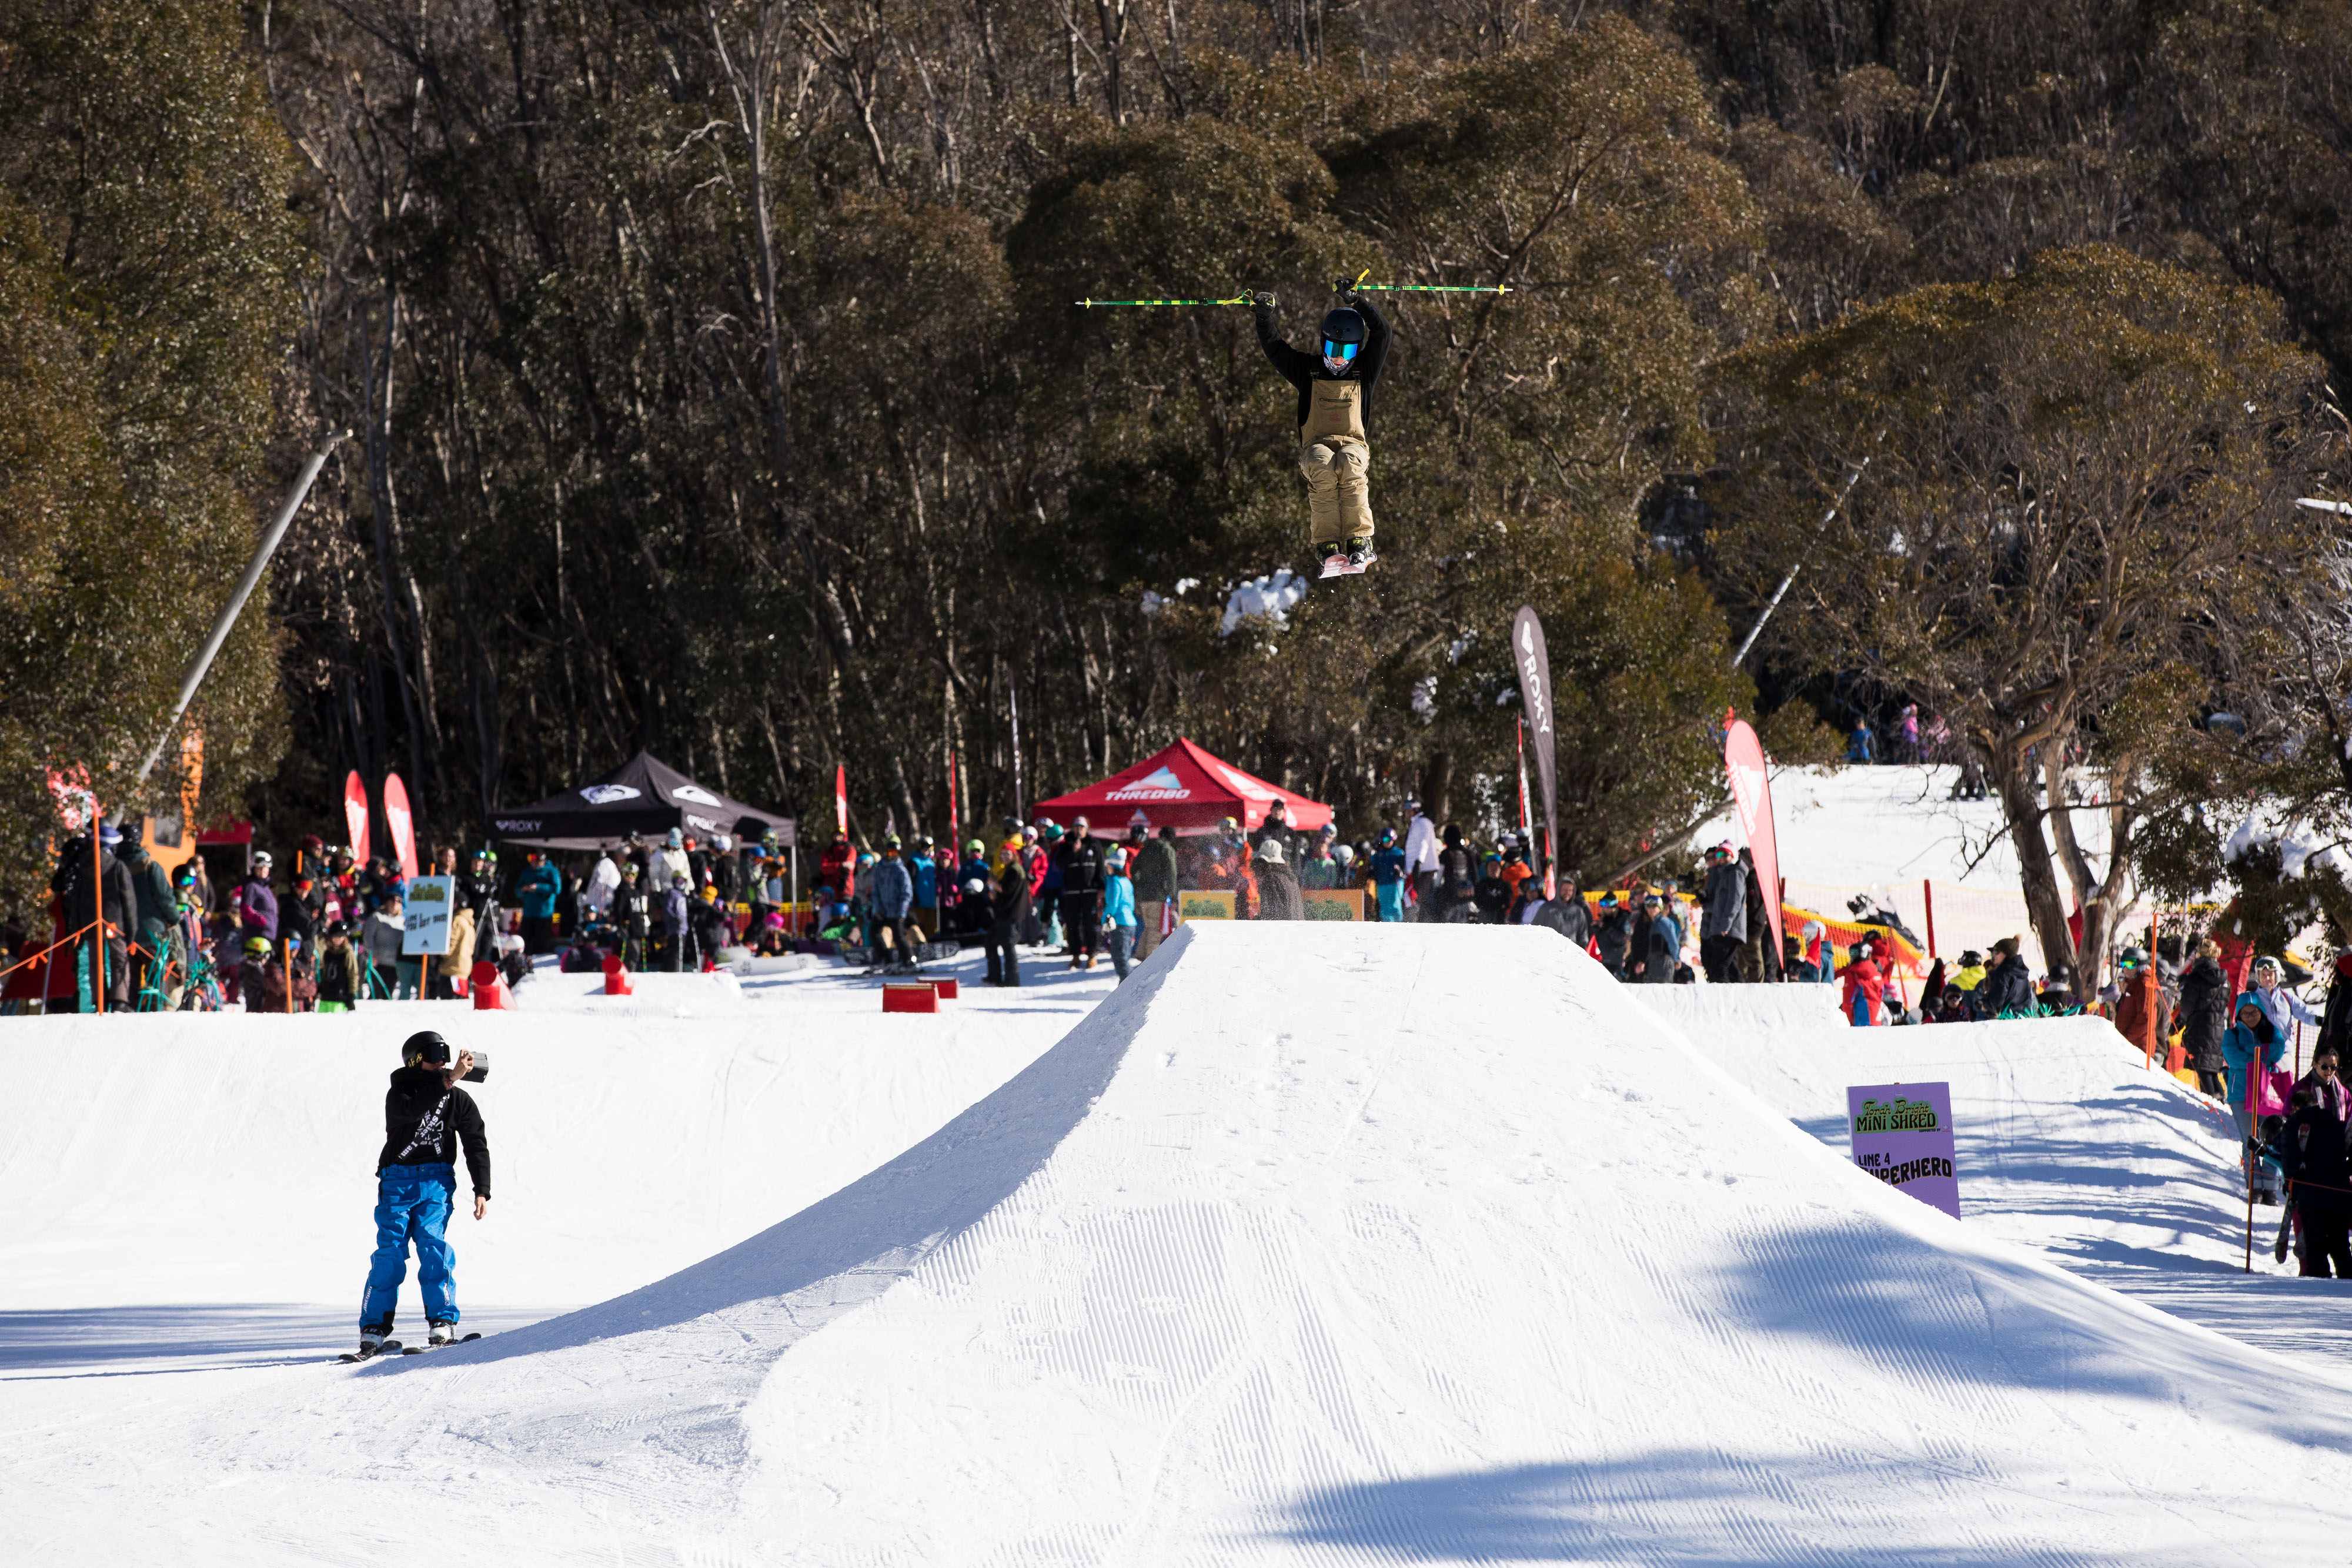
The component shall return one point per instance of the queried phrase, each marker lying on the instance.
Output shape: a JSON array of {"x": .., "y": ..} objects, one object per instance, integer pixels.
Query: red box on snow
[
  {"x": 946, "y": 988},
  {"x": 911, "y": 998}
]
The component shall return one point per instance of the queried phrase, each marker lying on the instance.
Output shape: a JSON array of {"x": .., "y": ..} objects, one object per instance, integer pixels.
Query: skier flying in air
[{"x": 1334, "y": 413}]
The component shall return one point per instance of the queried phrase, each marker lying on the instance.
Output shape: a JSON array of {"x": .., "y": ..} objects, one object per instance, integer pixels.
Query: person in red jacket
[
  {"x": 1864, "y": 991},
  {"x": 838, "y": 869}
]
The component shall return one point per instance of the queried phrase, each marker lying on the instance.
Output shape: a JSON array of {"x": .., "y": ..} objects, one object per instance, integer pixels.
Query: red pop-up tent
[{"x": 1182, "y": 788}]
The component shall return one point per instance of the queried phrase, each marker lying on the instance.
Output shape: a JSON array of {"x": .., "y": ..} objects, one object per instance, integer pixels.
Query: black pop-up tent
[{"x": 643, "y": 795}]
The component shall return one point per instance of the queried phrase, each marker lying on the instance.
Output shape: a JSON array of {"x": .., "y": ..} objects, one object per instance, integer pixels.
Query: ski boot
[
  {"x": 1334, "y": 558},
  {"x": 373, "y": 1344},
  {"x": 440, "y": 1333},
  {"x": 1359, "y": 555}
]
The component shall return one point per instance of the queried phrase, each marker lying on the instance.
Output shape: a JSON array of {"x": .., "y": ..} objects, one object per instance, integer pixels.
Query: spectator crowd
[{"x": 329, "y": 936}]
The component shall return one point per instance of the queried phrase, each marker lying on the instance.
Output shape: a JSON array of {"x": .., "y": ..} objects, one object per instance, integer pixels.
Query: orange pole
[
  {"x": 1927, "y": 896},
  {"x": 285, "y": 967},
  {"x": 98, "y": 908}
]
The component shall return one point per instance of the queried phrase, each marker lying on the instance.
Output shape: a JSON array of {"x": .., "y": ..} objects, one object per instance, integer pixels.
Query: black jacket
[
  {"x": 71, "y": 881},
  {"x": 424, "y": 1123},
  {"x": 1011, "y": 903},
  {"x": 1155, "y": 871},
  {"x": 1493, "y": 896},
  {"x": 339, "y": 975},
  {"x": 1615, "y": 937},
  {"x": 2006, "y": 988},
  {"x": 1457, "y": 873},
  {"x": 295, "y": 919},
  {"x": 633, "y": 908},
  {"x": 1081, "y": 860},
  {"x": 2204, "y": 1013},
  {"x": 2311, "y": 1150},
  {"x": 709, "y": 922},
  {"x": 479, "y": 893},
  {"x": 1302, "y": 370}
]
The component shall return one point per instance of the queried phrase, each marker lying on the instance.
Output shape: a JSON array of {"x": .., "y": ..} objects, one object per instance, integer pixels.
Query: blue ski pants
[
  {"x": 1391, "y": 895},
  {"x": 412, "y": 1204}
]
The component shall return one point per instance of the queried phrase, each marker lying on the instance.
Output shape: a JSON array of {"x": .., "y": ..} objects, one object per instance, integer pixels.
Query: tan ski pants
[{"x": 1339, "y": 497}]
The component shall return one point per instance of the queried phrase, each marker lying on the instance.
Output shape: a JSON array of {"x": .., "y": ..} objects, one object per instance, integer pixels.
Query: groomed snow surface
[{"x": 1311, "y": 1244}]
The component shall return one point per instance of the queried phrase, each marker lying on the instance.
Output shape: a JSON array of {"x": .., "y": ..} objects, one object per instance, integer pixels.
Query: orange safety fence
[{"x": 60, "y": 942}]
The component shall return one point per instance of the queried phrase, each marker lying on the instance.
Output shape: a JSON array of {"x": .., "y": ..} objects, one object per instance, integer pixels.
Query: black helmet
[
  {"x": 1343, "y": 334},
  {"x": 425, "y": 1046}
]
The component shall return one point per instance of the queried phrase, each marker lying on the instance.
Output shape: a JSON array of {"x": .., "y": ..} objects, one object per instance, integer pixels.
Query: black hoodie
[{"x": 424, "y": 1122}]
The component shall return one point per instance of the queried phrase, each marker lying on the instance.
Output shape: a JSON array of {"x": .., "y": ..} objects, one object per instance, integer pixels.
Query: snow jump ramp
[{"x": 1327, "y": 1244}]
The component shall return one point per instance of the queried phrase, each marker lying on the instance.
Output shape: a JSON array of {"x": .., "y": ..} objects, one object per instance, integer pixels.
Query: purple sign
[{"x": 1903, "y": 1136}]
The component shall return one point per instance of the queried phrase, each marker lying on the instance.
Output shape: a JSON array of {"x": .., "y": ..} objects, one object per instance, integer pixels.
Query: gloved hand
[
  {"x": 1345, "y": 288},
  {"x": 1262, "y": 300}
]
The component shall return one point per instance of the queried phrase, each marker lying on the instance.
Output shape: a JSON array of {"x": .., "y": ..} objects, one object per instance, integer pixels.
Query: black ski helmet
[
  {"x": 425, "y": 1046},
  {"x": 1342, "y": 326}
]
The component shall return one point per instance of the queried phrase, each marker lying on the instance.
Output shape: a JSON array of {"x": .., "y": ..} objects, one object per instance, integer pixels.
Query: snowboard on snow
[
  {"x": 421, "y": 1349},
  {"x": 389, "y": 1347}
]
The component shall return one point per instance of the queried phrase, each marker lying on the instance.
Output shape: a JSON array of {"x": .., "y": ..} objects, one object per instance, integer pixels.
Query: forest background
[{"x": 718, "y": 388}]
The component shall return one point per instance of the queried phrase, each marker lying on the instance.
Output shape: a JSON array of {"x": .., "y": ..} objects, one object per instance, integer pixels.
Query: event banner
[
  {"x": 1903, "y": 1136},
  {"x": 432, "y": 900},
  {"x": 355, "y": 815},
  {"x": 1333, "y": 903},
  {"x": 1534, "y": 661},
  {"x": 397, "y": 818},
  {"x": 1204, "y": 903},
  {"x": 1751, "y": 792}
]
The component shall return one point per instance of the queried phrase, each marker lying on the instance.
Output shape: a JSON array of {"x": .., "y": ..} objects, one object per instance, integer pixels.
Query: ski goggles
[{"x": 1332, "y": 351}]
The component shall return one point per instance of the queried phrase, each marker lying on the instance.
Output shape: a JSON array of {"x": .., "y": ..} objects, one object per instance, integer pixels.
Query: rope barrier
[{"x": 44, "y": 952}]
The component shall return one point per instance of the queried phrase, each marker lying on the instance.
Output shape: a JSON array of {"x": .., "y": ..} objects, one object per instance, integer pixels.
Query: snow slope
[
  {"x": 198, "y": 1185},
  {"x": 1885, "y": 826},
  {"x": 2068, "y": 1144},
  {"x": 1314, "y": 1244},
  {"x": 1890, "y": 831}
]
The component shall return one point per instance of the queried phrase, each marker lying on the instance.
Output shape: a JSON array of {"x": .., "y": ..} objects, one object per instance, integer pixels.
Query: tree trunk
[
  {"x": 1437, "y": 788},
  {"x": 2044, "y": 906}
]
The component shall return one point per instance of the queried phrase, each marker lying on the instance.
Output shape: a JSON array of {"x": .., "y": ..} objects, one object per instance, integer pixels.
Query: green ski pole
[
  {"x": 1436, "y": 287},
  {"x": 1089, "y": 304}
]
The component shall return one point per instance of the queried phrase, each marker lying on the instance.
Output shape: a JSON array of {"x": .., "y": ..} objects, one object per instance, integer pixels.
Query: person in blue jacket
[
  {"x": 2253, "y": 1038},
  {"x": 893, "y": 888},
  {"x": 537, "y": 890},
  {"x": 1389, "y": 876},
  {"x": 1118, "y": 910},
  {"x": 927, "y": 879}
]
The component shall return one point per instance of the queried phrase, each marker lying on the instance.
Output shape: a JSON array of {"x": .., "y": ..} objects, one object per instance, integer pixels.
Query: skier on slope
[
  {"x": 425, "y": 1117},
  {"x": 1335, "y": 413}
]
